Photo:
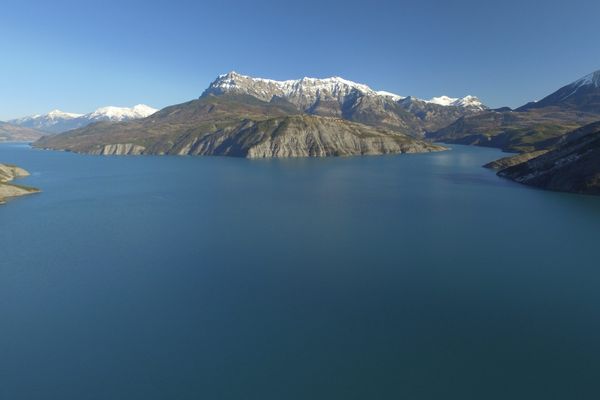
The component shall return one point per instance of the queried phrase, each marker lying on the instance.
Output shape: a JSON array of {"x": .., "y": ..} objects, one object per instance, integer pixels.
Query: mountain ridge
[
  {"x": 357, "y": 102},
  {"x": 573, "y": 165},
  {"x": 235, "y": 125},
  {"x": 582, "y": 94},
  {"x": 308, "y": 89},
  {"x": 533, "y": 126},
  {"x": 57, "y": 121}
]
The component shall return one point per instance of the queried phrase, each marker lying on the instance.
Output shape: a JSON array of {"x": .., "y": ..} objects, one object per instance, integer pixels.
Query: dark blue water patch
[{"x": 414, "y": 276}]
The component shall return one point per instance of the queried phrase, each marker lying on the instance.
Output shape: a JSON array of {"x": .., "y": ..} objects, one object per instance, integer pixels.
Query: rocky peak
[
  {"x": 307, "y": 91},
  {"x": 592, "y": 79},
  {"x": 469, "y": 102},
  {"x": 302, "y": 92}
]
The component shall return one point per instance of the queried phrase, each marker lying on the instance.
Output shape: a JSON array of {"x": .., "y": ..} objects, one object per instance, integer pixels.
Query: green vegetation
[
  {"x": 573, "y": 165},
  {"x": 514, "y": 131}
]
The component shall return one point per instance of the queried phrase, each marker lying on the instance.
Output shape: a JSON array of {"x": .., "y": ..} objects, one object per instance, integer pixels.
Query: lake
[{"x": 396, "y": 277}]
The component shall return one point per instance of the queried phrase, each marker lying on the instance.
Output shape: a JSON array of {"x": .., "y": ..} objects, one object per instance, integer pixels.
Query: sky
[{"x": 80, "y": 55}]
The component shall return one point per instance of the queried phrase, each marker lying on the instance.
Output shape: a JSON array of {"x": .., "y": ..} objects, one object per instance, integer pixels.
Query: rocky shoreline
[{"x": 9, "y": 190}]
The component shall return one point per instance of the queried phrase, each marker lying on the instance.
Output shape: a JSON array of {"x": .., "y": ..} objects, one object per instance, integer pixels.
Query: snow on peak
[
  {"x": 393, "y": 96},
  {"x": 592, "y": 79},
  {"x": 57, "y": 121},
  {"x": 302, "y": 92},
  {"x": 112, "y": 113},
  {"x": 103, "y": 113},
  {"x": 467, "y": 101},
  {"x": 443, "y": 100},
  {"x": 57, "y": 114},
  {"x": 306, "y": 91},
  {"x": 235, "y": 82},
  {"x": 50, "y": 118},
  {"x": 143, "y": 109}
]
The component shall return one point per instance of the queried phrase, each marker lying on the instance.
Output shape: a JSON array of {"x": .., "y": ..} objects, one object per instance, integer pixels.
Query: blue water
[{"x": 393, "y": 277}]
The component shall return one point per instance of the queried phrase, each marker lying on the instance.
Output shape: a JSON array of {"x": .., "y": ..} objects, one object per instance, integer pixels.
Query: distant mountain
[
  {"x": 240, "y": 115},
  {"x": 57, "y": 121},
  {"x": 465, "y": 102},
  {"x": 234, "y": 124},
  {"x": 119, "y": 114},
  {"x": 573, "y": 165},
  {"x": 534, "y": 126},
  {"x": 581, "y": 95},
  {"x": 53, "y": 122},
  {"x": 338, "y": 97},
  {"x": 15, "y": 133}
]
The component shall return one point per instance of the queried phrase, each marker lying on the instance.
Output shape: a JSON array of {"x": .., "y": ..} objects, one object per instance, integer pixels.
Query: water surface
[{"x": 393, "y": 277}]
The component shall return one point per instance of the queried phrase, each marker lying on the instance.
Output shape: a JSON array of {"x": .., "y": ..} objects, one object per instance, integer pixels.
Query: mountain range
[
  {"x": 238, "y": 115},
  {"x": 557, "y": 138},
  {"x": 338, "y": 97},
  {"x": 533, "y": 126},
  {"x": 307, "y": 92},
  {"x": 57, "y": 121}
]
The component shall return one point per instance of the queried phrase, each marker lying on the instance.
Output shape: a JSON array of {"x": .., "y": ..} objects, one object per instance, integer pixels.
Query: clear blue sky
[{"x": 79, "y": 55}]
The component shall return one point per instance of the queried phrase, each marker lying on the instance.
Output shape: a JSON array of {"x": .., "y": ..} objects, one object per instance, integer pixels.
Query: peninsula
[{"x": 9, "y": 190}]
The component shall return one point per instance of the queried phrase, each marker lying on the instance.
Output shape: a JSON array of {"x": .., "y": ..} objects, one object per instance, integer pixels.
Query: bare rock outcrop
[{"x": 8, "y": 190}]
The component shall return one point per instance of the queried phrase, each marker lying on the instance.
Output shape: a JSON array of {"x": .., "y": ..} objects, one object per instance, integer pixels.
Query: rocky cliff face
[
  {"x": 118, "y": 149},
  {"x": 284, "y": 136},
  {"x": 304, "y": 136},
  {"x": 8, "y": 190}
]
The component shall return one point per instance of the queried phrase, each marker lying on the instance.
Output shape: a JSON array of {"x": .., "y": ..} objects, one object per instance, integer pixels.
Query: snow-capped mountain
[
  {"x": 302, "y": 92},
  {"x": 339, "y": 97},
  {"x": 592, "y": 79},
  {"x": 121, "y": 113},
  {"x": 467, "y": 101},
  {"x": 306, "y": 92},
  {"x": 582, "y": 95},
  {"x": 443, "y": 100},
  {"x": 57, "y": 121},
  {"x": 392, "y": 96}
]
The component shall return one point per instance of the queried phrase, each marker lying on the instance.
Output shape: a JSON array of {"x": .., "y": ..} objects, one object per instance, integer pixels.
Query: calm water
[{"x": 396, "y": 277}]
